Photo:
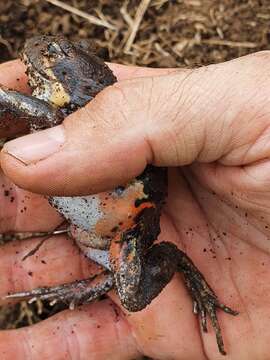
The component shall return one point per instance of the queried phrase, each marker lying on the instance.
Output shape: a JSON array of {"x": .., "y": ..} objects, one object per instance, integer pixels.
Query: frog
[{"x": 116, "y": 229}]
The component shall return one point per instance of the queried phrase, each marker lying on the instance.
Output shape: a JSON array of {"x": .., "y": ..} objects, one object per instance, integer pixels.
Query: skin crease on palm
[{"x": 212, "y": 126}]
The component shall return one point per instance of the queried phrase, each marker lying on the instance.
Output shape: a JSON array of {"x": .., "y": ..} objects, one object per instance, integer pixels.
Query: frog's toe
[{"x": 207, "y": 303}]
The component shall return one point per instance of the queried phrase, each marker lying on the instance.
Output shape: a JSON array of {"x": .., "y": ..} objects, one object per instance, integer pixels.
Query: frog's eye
[{"x": 54, "y": 49}]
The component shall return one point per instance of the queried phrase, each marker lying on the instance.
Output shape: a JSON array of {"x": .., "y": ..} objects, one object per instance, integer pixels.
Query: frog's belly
[
  {"x": 82, "y": 211},
  {"x": 96, "y": 219},
  {"x": 101, "y": 257}
]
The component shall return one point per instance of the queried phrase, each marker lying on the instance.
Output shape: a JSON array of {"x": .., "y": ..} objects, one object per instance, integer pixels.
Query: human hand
[{"x": 213, "y": 120}]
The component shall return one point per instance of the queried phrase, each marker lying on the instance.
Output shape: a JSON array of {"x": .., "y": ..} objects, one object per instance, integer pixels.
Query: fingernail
[{"x": 37, "y": 146}]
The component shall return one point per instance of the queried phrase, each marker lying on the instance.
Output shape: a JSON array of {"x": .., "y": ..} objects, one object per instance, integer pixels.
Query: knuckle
[
  {"x": 263, "y": 55},
  {"x": 120, "y": 105},
  {"x": 257, "y": 65}
]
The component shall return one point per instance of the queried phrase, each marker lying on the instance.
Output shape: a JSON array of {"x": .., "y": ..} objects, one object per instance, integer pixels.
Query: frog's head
[{"x": 63, "y": 73}]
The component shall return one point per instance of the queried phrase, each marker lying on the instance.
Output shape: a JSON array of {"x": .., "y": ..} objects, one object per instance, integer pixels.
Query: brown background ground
[{"x": 171, "y": 33}]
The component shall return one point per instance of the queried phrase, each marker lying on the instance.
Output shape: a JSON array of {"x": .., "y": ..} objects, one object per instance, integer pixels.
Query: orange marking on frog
[
  {"x": 120, "y": 211},
  {"x": 115, "y": 250}
]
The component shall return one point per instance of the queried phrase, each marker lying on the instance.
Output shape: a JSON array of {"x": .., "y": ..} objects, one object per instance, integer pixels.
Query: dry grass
[
  {"x": 73, "y": 10},
  {"x": 153, "y": 33}
]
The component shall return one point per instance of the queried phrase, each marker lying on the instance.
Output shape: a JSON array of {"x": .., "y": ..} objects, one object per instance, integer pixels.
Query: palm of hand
[{"x": 229, "y": 246}]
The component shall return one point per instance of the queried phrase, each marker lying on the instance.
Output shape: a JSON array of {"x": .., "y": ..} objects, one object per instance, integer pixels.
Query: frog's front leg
[
  {"x": 76, "y": 293},
  {"x": 21, "y": 113},
  {"x": 140, "y": 275}
]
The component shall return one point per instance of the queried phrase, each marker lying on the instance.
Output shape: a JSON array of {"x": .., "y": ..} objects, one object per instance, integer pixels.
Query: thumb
[{"x": 207, "y": 114}]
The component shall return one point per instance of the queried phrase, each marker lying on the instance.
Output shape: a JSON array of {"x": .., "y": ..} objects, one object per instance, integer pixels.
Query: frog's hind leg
[
  {"x": 76, "y": 293},
  {"x": 139, "y": 279},
  {"x": 21, "y": 113}
]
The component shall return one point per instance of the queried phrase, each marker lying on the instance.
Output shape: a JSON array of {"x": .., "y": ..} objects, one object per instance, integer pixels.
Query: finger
[
  {"x": 24, "y": 211},
  {"x": 165, "y": 120},
  {"x": 97, "y": 331},
  {"x": 12, "y": 75}
]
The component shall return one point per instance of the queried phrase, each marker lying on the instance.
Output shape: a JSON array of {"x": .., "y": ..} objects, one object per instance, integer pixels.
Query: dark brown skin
[{"x": 117, "y": 228}]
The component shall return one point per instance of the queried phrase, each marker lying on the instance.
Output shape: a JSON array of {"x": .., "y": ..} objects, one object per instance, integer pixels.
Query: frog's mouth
[{"x": 44, "y": 84}]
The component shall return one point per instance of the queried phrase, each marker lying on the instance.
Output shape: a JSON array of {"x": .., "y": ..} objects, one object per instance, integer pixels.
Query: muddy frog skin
[{"x": 116, "y": 229}]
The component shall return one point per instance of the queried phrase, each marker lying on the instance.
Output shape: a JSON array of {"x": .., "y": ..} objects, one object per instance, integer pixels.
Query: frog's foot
[
  {"x": 165, "y": 258},
  {"x": 206, "y": 303},
  {"x": 75, "y": 293},
  {"x": 204, "y": 299}
]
